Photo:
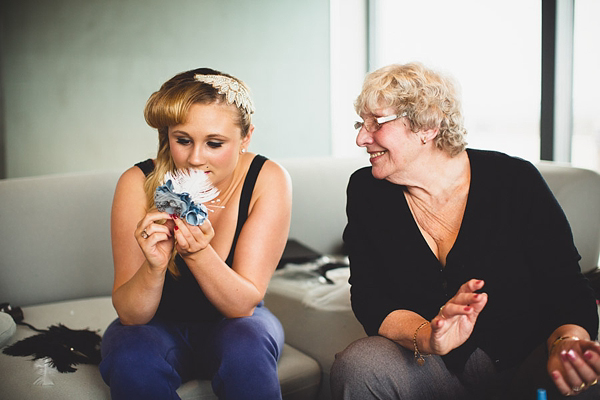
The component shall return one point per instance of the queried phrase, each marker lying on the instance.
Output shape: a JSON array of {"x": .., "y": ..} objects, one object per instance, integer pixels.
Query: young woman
[{"x": 189, "y": 298}]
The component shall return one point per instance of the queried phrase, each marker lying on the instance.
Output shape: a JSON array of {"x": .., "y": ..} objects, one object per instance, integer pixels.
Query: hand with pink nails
[
  {"x": 573, "y": 360},
  {"x": 455, "y": 322}
]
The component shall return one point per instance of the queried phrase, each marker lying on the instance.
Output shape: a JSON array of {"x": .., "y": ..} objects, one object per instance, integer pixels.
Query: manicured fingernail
[
  {"x": 571, "y": 354},
  {"x": 563, "y": 355},
  {"x": 175, "y": 216},
  {"x": 476, "y": 296},
  {"x": 555, "y": 375},
  {"x": 588, "y": 355},
  {"x": 176, "y": 228},
  {"x": 467, "y": 308}
]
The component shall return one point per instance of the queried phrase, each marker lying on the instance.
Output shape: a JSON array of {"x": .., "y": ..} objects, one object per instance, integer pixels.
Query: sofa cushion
[
  {"x": 299, "y": 374},
  {"x": 316, "y": 317},
  {"x": 85, "y": 383}
]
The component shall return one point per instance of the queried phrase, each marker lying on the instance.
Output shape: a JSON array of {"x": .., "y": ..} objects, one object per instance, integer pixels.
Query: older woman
[
  {"x": 463, "y": 269},
  {"x": 199, "y": 314}
]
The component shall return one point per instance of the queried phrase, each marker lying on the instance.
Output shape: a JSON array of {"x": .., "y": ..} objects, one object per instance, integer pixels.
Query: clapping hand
[{"x": 455, "y": 322}]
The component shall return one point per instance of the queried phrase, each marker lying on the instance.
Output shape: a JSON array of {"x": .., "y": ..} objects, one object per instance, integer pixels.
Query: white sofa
[{"x": 56, "y": 264}]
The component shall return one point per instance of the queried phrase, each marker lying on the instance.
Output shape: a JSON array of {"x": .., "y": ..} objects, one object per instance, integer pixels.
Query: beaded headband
[{"x": 232, "y": 89}]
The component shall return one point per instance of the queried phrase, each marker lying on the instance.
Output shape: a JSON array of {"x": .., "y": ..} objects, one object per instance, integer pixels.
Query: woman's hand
[
  {"x": 191, "y": 239},
  {"x": 156, "y": 240},
  {"x": 455, "y": 322},
  {"x": 574, "y": 365}
]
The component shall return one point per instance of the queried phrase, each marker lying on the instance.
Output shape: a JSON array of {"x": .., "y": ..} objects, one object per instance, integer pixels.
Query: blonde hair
[
  {"x": 430, "y": 100},
  {"x": 170, "y": 106}
]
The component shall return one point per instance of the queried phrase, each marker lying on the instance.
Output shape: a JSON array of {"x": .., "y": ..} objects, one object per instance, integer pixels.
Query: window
[
  {"x": 585, "y": 150},
  {"x": 492, "y": 50}
]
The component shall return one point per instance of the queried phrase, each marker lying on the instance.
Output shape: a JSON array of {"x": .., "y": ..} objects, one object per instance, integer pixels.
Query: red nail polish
[
  {"x": 176, "y": 228},
  {"x": 588, "y": 355},
  {"x": 175, "y": 216},
  {"x": 467, "y": 308}
]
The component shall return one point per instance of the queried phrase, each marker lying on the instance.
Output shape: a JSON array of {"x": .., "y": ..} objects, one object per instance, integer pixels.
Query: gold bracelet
[
  {"x": 560, "y": 339},
  {"x": 418, "y": 355}
]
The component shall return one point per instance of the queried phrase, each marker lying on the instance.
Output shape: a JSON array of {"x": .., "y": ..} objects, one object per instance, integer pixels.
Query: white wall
[
  {"x": 348, "y": 69},
  {"x": 75, "y": 75}
]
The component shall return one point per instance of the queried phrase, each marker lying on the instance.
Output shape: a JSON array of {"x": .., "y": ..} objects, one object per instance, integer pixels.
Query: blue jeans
[{"x": 151, "y": 361}]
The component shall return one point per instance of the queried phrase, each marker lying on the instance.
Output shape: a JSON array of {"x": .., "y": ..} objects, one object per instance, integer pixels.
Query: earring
[
  {"x": 424, "y": 140},
  {"x": 242, "y": 151}
]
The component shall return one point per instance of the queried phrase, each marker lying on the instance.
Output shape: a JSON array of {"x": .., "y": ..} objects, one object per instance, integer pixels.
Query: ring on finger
[
  {"x": 579, "y": 388},
  {"x": 145, "y": 234},
  {"x": 595, "y": 381},
  {"x": 442, "y": 311}
]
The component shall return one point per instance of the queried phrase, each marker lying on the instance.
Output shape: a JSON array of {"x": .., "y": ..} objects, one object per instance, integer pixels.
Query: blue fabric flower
[{"x": 180, "y": 204}]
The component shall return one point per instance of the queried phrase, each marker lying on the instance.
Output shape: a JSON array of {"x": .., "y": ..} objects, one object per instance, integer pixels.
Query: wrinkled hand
[
  {"x": 574, "y": 365},
  {"x": 156, "y": 240},
  {"x": 191, "y": 239},
  {"x": 455, "y": 322}
]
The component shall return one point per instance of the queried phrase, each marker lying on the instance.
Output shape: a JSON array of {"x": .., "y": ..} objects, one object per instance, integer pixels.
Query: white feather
[
  {"x": 43, "y": 367},
  {"x": 195, "y": 183}
]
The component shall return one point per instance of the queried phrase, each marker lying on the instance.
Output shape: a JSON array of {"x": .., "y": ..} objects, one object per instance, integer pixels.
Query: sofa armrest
[{"x": 578, "y": 193}]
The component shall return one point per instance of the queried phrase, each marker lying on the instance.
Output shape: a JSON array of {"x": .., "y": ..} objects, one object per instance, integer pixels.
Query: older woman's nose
[{"x": 363, "y": 137}]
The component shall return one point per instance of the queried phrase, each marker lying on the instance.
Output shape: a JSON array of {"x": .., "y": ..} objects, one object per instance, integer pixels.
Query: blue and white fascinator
[{"x": 183, "y": 194}]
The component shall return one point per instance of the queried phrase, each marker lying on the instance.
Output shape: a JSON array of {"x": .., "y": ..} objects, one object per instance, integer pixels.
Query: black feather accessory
[{"x": 64, "y": 347}]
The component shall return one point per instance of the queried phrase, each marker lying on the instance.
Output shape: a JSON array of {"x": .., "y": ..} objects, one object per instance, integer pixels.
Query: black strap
[
  {"x": 245, "y": 198},
  {"x": 146, "y": 166}
]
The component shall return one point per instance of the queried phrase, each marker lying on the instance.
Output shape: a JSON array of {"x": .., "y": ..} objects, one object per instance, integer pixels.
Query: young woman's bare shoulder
[
  {"x": 132, "y": 175},
  {"x": 273, "y": 171},
  {"x": 273, "y": 179},
  {"x": 130, "y": 187}
]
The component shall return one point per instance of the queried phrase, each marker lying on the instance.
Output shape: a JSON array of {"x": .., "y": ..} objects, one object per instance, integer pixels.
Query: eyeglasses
[{"x": 374, "y": 124}]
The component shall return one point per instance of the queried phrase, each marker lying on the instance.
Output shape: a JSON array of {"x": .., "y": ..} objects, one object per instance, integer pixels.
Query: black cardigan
[{"x": 514, "y": 235}]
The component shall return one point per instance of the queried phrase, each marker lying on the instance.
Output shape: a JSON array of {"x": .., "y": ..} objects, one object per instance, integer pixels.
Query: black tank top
[{"x": 182, "y": 298}]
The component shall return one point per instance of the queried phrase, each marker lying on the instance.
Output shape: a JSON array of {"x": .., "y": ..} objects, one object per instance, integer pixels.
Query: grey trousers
[{"x": 378, "y": 368}]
